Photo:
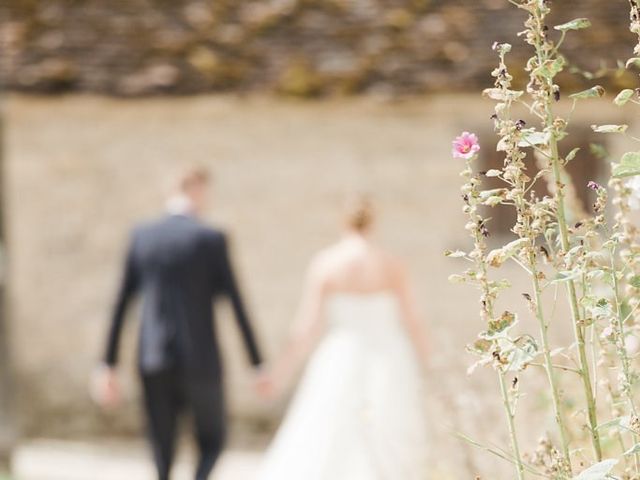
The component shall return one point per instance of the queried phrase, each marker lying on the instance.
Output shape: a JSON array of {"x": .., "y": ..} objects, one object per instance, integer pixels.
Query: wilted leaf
[
  {"x": 493, "y": 173},
  {"x": 551, "y": 68},
  {"x": 609, "y": 128},
  {"x": 500, "y": 324},
  {"x": 502, "y": 48},
  {"x": 502, "y": 95},
  {"x": 454, "y": 254},
  {"x": 497, "y": 257},
  {"x": 599, "y": 471},
  {"x": 493, "y": 201},
  {"x": 593, "y": 92},
  {"x": 577, "y": 24},
  {"x": 623, "y": 97},
  {"x": 503, "y": 144},
  {"x": 493, "y": 197},
  {"x": 480, "y": 346},
  {"x": 472, "y": 368},
  {"x": 457, "y": 279},
  {"x": 572, "y": 154},
  {"x": 534, "y": 138},
  {"x": 500, "y": 284},
  {"x": 629, "y": 165},
  {"x": 567, "y": 276},
  {"x": 598, "y": 307}
]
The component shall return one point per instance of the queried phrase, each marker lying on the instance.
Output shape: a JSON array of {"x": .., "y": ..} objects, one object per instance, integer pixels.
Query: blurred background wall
[
  {"x": 293, "y": 104},
  {"x": 298, "y": 47}
]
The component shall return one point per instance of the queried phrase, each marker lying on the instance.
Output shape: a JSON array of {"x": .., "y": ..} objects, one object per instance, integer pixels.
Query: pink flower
[
  {"x": 608, "y": 333},
  {"x": 593, "y": 185},
  {"x": 466, "y": 146},
  {"x": 632, "y": 345}
]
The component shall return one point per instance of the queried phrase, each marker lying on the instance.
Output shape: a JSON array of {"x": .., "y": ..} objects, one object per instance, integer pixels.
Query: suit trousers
[{"x": 170, "y": 393}]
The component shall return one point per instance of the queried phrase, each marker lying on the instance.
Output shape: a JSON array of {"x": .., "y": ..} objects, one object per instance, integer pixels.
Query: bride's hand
[{"x": 264, "y": 385}]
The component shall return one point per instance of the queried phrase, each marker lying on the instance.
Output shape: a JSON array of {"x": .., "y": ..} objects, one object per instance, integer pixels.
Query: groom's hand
[{"x": 105, "y": 387}]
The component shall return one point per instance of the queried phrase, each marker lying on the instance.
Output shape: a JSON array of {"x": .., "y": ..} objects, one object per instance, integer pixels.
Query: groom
[{"x": 179, "y": 266}]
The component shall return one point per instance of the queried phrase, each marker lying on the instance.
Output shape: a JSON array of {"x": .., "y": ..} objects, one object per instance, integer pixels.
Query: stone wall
[
  {"x": 81, "y": 170},
  {"x": 297, "y": 47}
]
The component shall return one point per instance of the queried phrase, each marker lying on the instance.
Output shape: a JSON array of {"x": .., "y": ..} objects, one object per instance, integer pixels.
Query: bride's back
[{"x": 355, "y": 265}]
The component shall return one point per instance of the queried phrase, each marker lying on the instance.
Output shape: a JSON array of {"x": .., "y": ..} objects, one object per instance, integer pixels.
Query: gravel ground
[{"x": 60, "y": 460}]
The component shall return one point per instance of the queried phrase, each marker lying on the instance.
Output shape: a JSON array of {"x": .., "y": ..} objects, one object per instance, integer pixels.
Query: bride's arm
[
  {"x": 306, "y": 328},
  {"x": 411, "y": 313}
]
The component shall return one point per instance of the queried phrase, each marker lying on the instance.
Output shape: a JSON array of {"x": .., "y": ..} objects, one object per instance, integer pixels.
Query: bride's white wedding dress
[{"x": 359, "y": 411}]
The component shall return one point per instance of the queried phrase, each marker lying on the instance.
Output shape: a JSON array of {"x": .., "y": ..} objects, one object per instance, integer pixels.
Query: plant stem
[
  {"x": 511, "y": 424},
  {"x": 548, "y": 365},
  {"x": 622, "y": 353},
  {"x": 488, "y": 310},
  {"x": 545, "y": 52},
  {"x": 573, "y": 298}
]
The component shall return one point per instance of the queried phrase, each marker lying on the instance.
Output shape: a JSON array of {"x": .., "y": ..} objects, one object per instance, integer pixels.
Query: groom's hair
[{"x": 193, "y": 176}]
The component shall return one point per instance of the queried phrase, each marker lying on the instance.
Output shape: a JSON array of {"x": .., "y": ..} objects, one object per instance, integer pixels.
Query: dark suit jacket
[{"x": 180, "y": 267}]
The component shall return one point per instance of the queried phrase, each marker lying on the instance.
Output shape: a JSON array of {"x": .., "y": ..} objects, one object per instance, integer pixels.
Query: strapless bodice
[{"x": 369, "y": 315}]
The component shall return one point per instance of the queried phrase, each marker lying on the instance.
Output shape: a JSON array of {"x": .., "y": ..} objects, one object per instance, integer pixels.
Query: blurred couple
[{"x": 358, "y": 413}]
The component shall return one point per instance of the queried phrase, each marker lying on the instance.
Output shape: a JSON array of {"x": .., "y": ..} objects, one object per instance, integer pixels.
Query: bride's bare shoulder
[
  {"x": 327, "y": 257},
  {"x": 394, "y": 264}
]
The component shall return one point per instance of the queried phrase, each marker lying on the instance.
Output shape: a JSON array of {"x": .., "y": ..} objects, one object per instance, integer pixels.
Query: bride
[{"x": 358, "y": 413}]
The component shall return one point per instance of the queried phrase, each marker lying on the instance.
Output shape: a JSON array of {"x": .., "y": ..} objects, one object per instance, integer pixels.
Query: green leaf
[
  {"x": 629, "y": 165},
  {"x": 599, "y": 471},
  {"x": 500, "y": 284},
  {"x": 626, "y": 309},
  {"x": 635, "y": 281},
  {"x": 524, "y": 350},
  {"x": 593, "y": 92},
  {"x": 609, "y": 128},
  {"x": 577, "y": 24},
  {"x": 623, "y": 97},
  {"x": 598, "y": 151},
  {"x": 635, "y": 62},
  {"x": 633, "y": 450},
  {"x": 615, "y": 423}
]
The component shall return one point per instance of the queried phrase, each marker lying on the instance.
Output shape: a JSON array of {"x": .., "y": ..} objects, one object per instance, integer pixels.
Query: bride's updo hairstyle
[{"x": 359, "y": 213}]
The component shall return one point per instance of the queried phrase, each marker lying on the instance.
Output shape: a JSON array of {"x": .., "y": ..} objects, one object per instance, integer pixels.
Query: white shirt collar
[{"x": 179, "y": 204}]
